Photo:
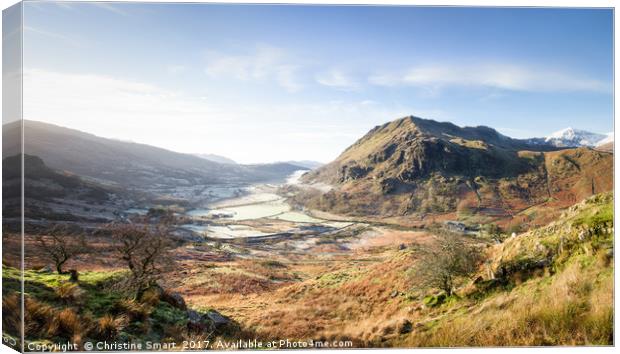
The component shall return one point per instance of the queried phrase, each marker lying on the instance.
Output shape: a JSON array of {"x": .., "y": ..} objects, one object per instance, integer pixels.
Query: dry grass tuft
[
  {"x": 134, "y": 310},
  {"x": 67, "y": 324},
  {"x": 108, "y": 326},
  {"x": 151, "y": 297},
  {"x": 69, "y": 293},
  {"x": 11, "y": 314}
]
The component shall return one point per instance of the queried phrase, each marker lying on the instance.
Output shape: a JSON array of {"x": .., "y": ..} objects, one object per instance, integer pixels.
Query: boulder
[
  {"x": 219, "y": 321},
  {"x": 197, "y": 322},
  {"x": 175, "y": 299}
]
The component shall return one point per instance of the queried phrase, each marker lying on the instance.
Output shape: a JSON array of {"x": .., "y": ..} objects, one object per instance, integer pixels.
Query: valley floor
[
  {"x": 361, "y": 287},
  {"x": 353, "y": 282}
]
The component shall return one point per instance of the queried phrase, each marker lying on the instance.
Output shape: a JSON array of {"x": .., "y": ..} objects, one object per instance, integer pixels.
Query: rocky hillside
[
  {"x": 415, "y": 165},
  {"x": 43, "y": 187}
]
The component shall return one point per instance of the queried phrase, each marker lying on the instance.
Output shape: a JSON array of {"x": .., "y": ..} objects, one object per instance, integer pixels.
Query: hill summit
[
  {"x": 410, "y": 148},
  {"x": 414, "y": 165}
]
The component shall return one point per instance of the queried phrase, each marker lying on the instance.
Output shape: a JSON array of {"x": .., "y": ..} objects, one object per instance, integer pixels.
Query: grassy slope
[{"x": 557, "y": 289}]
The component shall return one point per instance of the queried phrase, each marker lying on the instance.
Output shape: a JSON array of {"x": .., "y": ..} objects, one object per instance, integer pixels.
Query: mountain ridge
[
  {"x": 414, "y": 165},
  {"x": 126, "y": 163}
]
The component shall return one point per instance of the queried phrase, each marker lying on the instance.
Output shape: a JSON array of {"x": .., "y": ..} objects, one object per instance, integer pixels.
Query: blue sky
[{"x": 264, "y": 83}]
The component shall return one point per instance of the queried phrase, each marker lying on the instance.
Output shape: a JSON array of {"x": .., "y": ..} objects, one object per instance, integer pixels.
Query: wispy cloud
[
  {"x": 493, "y": 75},
  {"x": 287, "y": 77},
  {"x": 67, "y": 5},
  {"x": 263, "y": 63},
  {"x": 54, "y": 35},
  {"x": 337, "y": 79},
  {"x": 110, "y": 7}
]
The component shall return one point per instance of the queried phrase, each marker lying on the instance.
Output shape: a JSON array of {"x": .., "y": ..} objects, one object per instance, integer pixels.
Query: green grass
[
  {"x": 94, "y": 298},
  {"x": 41, "y": 286},
  {"x": 598, "y": 216}
]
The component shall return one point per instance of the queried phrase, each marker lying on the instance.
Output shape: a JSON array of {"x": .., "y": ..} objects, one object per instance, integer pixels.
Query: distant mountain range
[
  {"x": 415, "y": 165},
  {"x": 216, "y": 158},
  {"x": 307, "y": 164},
  {"x": 570, "y": 137},
  {"x": 114, "y": 162}
]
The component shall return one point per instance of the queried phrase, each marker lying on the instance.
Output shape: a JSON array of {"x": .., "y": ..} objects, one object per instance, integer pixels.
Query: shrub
[
  {"x": 145, "y": 252},
  {"x": 451, "y": 258},
  {"x": 61, "y": 244}
]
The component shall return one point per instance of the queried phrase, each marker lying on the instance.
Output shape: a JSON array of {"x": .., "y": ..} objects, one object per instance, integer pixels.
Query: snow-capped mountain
[
  {"x": 608, "y": 139},
  {"x": 574, "y": 137}
]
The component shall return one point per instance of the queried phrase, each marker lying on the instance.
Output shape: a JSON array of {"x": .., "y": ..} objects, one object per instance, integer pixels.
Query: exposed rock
[
  {"x": 404, "y": 326},
  {"x": 220, "y": 322},
  {"x": 175, "y": 299},
  {"x": 198, "y": 323},
  {"x": 389, "y": 185},
  {"x": 353, "y": 172}
]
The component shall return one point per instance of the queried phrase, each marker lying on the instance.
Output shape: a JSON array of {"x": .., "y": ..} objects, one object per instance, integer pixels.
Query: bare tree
[
  {"x": 144, "y": 249},
  {"x": 61, "y": 244},
  {"x": 442, "y": 264}
]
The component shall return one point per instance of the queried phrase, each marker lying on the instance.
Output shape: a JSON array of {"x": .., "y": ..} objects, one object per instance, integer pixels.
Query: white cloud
[
  {"x": 337, "y": 79},
  {"x": 501, "y": 76},
  {"x": 108, "y": 106},
  {"x": 263, "y": 63}
]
